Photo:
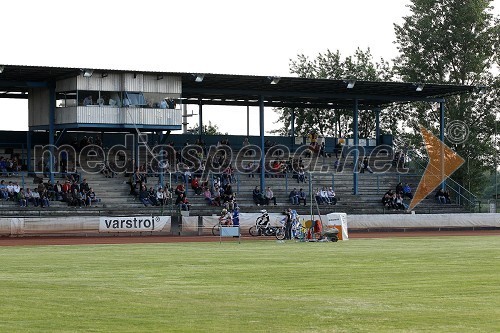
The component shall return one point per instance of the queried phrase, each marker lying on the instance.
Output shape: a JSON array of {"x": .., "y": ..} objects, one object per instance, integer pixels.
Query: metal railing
[{"x": 463, "y": 197}]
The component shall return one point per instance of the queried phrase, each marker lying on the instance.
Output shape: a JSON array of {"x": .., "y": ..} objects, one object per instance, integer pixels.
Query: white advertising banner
[{"x": 132, "y": 223}]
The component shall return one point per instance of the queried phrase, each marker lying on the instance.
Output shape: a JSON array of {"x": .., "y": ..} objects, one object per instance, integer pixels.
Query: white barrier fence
[{"x": 151, "y": 224}]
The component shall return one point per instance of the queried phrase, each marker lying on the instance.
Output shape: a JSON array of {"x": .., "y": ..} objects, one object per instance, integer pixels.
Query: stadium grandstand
[{"x": 120, "y": 134}]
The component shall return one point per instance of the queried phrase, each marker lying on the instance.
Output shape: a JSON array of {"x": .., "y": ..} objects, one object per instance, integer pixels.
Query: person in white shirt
[
  {"x": 324, "y": 196},
  {"x": 35, "y": 197},
  {"x": 10, "y": 190},
  {"x": 331, "y": 196},
  {"x": 160, "y": 196},
  {"x": 269, "y": 195}
]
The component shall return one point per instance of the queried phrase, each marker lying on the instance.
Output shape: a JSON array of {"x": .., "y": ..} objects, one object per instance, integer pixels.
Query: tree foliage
[
  {"x": 454, "y": 42},
  {"x": 207, "y": 129},
  {"x": 331, "y": 65}
]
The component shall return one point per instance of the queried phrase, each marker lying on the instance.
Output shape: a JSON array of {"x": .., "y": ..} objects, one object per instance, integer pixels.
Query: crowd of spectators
[
  {"x": 442, "y": 196},
  {"x": 71, "y": 191},
  {"x": 395, "y": 199},
  {"x": 10, "y": 166},
  {"x": 325, "y": 196}
]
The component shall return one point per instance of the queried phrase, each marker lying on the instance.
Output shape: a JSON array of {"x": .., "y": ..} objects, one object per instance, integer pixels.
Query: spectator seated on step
[
  {"x": 324, "y": 196},
  {"x": 195, "y": 185},
  {"x": 180, "y": 189},
  {"x": 161, "y": 196},
  {"x": 250, "y": 169},
  {"x": 187, "y": 176},
  {"x": 35, "y": 198},
  {"x": 58, "y": 191},
  {"x": 388, "y": 199},
  {"x": 91, "y": 199},
  {"x": 398, "y": 202},
  {"x": 227, "y": 194},
  {"x": 332, "y": 198},
  {"x": 447, "y": 197},
  {"x": 278, "y": 169},
  {"x": 207, "y": 194},
  {"x": 144, "y": 196},
  {"x": 84, "y": 186},
  {"x": 44, "y": 199},
  {"x": 182, "y": 202},
  {"x": 407, "y": 191},
  {"x": 301, "y": 175},
  {"x": 399, "y": 188},
  {"x": 318, "y": 197},
  {"x": 3, "y": 167},
  {"x": 152, "y": 196},
  {"x": 302, "y": 196},
  {"x": 4, "y": 195},
  {"x": 228, "y": 175},
  {"x": 294, "y": 197},
  {"x": 21, "y": 198},
  {"x": 258, "y": 196},
  {"x": 440, "y": 196},
  {"x": 269, "y": 196}
]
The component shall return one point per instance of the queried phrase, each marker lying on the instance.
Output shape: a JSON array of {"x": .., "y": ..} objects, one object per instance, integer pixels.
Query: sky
[{"x": 220, "y": 36}]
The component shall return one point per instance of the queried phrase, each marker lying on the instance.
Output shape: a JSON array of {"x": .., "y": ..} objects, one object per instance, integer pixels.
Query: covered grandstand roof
[{"x": 243, "y": 90}]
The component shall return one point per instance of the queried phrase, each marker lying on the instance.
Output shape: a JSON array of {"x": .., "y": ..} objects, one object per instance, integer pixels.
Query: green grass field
[{"x": 438, "y": 284}]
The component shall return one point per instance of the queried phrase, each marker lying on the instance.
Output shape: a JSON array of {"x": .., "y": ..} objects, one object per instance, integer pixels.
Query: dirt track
[{"x": 64, "y": 240}]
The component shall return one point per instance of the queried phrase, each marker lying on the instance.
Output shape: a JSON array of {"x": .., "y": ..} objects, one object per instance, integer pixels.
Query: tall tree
[
  {"x": 454, "y": 42},
  {"x": 331, "y": 65}
]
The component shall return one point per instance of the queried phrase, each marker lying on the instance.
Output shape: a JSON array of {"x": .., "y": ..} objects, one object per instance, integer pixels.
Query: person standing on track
[
  {"x": 288, "y": 224},
  {"x": 236, "y": 217}
]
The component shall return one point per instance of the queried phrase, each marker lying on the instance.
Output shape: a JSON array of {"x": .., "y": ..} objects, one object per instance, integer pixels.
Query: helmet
[
  {"x": 224, "y": 211},
  {"x": 263, "y": 211}
]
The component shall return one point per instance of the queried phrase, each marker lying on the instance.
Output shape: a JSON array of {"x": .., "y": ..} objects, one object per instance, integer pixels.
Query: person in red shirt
[
  {"x": 66, "y": 187},
  {"x": 195, "y": 185}
]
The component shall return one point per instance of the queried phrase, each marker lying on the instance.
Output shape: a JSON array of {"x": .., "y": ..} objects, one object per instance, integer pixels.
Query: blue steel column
[
  {"x": 200, "y": 117},
  {"x": 261, "y": 126},
  {"x": 441, "y": 137},
  {"x": 52, "y": 118},
  {"x": 377, "y": 126},
  {"x": 161, "y": 176},
  {"x": 356, "y": 146},
  {"x": 28, "y": 152},
  {"x": 136, "y": 150},
  {"x": 292, "y": 128},
  {"x": 248, "y": 120}
]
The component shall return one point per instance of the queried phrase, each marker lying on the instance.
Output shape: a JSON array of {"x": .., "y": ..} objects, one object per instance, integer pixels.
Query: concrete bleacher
[{"x": 115, "y": 198}]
